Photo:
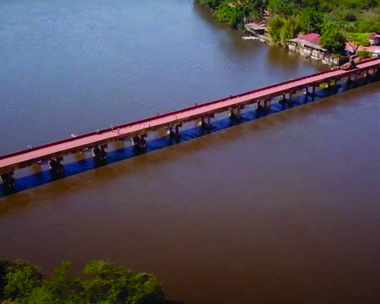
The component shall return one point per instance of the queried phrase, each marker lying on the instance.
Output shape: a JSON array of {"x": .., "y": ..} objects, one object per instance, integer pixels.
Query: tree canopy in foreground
[{"x": 102, "y": 283}]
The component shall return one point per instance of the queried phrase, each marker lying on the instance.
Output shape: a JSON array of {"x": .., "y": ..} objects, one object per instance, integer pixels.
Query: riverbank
[{"x": 327, "y": 32}]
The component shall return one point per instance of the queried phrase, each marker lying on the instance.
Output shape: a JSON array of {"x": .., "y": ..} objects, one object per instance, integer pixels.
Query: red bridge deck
[{"x": 71, "y": 145}]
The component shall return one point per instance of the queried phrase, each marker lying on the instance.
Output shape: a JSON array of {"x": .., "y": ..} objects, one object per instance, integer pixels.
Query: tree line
[
  {"x": 101, "y": 283},
  {"x": 335, "y": 20}
]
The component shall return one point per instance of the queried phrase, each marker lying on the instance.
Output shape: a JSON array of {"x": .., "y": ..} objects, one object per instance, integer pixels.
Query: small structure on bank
[
  {"x": 374, "y": 39},
  {"x": 308, "y": 46},
  {"x": 257, "y": 28}
]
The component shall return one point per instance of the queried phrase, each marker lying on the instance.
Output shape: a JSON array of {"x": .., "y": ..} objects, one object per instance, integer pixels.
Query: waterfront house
[{"x": 308, "y": 46}]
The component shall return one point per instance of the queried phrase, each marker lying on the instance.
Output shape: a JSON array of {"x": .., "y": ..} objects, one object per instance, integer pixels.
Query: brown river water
[{"x": 283, "y": 209}]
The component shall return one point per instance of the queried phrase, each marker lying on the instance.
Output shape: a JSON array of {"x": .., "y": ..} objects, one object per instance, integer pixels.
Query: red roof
[
  {"x": 312, "y": 37},
  {"x": 373, "y": 35}
]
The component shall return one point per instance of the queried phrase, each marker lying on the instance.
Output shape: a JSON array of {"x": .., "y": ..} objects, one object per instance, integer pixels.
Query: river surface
[{"x": 284, "y": 209}]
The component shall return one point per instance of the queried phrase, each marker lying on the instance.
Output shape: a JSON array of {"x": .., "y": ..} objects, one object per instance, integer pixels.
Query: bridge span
[{"x": 98, "y": 141}]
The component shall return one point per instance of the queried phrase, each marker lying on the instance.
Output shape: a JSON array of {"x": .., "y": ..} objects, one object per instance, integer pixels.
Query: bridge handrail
[{"x": 166, "y": 114}]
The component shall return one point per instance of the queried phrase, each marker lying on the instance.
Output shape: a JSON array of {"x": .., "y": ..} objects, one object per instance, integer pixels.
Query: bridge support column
[
  {"x": 283, "y": 99},
  {"x": 173, "y": 132},
  {"x": 262, "y": 105},
  {"x": 367, "y": 77},
  {"x": 139, "y": 142},
  {"x": 313, "y": 93},
  {"x": 55, "y": 165},
  {"x": 169, "y": 131},
  {"x": 8, "y": 181},
  {"x": 332, "y": 87},
  {"x": 371, "y": 75},
  {"x": 290, "y": 101},
  {"x": 308, "y": 93},
  {"x": 206, "y": 122},
  {"x": 235, "y": 114},
  {"x": 351, "y": 81},
  {"x": 177, "y": 135},
  {"x": 267, "y": 104},
  {"x": 376, "y": 72},
  {"x": 99, "y": 153}
]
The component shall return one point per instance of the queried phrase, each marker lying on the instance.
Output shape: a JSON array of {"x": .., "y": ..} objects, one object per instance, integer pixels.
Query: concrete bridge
[{"x": 98, "y": 141}]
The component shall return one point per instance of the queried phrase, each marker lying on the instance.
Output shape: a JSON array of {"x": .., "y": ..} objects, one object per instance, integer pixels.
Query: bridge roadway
[{"x": 55, "y": 150}]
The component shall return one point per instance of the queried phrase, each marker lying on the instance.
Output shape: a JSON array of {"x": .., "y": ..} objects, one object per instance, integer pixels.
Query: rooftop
[{"x": 310, "y": 40}]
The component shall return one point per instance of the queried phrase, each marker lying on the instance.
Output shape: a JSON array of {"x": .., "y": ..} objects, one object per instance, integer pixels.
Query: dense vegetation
[
  {"x": 103, "y": 283},
  {"x": 333, "y": 19}
]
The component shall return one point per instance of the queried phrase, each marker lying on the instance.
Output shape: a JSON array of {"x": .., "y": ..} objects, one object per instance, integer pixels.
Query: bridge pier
[
  {"x": 267, "y": 104},
  {"x": 169, "y": 131},
  {"x": 313, "y": 93},
  {"x": 100, "y": 154},
  {"x": 55, "y": 165},
  {"x": 235, "y": 113},
  {"x": 262, "y": 105},
  {"x": 369, "y": 76},
  {"x": 139, "y": 141},
  {"x": 327, "y": 88},
  {"x": 333, "y": 88},
  {"x": 206, "y": 122},
  {"x": 283, "y": 99},
  {"x": 177, "y": 135},
  {"x": 290, "y": 101},
  {"x": 174, "y": 133},
  {"x": 351, "y": 82},
  {"x": 310, "y": 94},
  {"x": 8, "y": 181},
  {"x": 377, "y": 73}
]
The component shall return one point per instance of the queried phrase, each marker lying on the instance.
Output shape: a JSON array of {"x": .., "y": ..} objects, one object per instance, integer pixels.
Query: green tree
[
  {"x": 283, "y": 7},
  {"x": 117, "y": 285},
  {"x": 21, "y": 280},
  {"x": 213, "y": 4},
  {"x": 333, "y": 39},
  {"x": 368, "y": 25},
  {"x": 255, "y": 8},
  {"x": 42, "y": 295},
  {"x": 282, "y": 29},
  {"x": 355, "y": 40},
  {"x": 312, "y": 20},
  {"x": 104, "y": 283},
  {"x": 239, "y": 12},
  {"x": 233, "y": 15},
  {"x": 274, "y": 28},
  {"x": 4, "y": 269}
]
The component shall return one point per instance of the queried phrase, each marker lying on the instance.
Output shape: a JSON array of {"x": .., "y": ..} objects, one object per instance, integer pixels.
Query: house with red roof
[
  {"x": 308, "y": 46},
  {"x": 373, "y": 48}
]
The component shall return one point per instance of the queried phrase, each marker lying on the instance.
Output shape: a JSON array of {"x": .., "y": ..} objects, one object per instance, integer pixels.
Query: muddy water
[{"x": 284, "y": 209}]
